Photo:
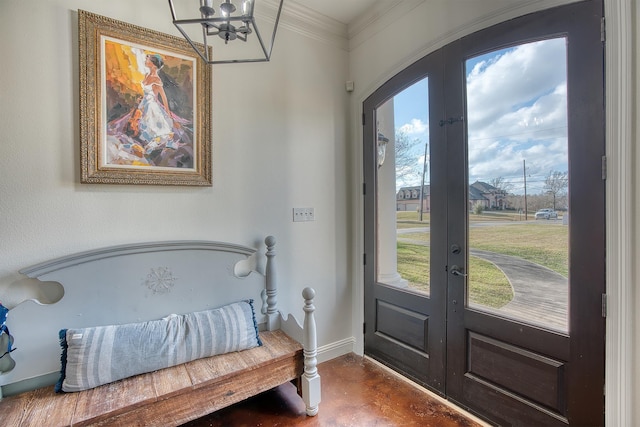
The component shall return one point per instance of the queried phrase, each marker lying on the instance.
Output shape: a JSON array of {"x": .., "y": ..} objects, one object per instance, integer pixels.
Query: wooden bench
[
  {"x": 176, "y": 395},
  {"x": 171, "y": 396}
]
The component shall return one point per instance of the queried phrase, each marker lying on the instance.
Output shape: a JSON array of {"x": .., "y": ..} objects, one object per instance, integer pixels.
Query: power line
[{"x": 517, "y": 134}]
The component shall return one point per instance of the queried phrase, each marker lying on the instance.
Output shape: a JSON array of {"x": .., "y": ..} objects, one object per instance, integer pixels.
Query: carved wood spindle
[
  {"x": 271, "y": 285},
  {"x": 310, "y": 378}
]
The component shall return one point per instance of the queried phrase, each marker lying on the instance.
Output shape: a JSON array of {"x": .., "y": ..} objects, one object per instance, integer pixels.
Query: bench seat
[{"x": 168, "y": 397}]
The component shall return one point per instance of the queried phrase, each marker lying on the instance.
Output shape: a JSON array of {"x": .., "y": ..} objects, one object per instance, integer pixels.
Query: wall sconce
[{"x": 382, "y": 148}]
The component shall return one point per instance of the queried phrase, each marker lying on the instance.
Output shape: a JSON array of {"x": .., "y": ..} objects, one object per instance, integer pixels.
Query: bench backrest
[{"x": 127, "y": 284}]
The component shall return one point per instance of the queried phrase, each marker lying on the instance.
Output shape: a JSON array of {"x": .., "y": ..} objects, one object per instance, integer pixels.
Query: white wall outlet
[{"x": 303, "y": 214}]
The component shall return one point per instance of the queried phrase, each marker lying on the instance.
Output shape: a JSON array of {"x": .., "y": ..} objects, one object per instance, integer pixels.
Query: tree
[
  {"x": 407, "y": 167},
  {"x": 501, "y": 184},
  {"x": 556, "y": 184}
]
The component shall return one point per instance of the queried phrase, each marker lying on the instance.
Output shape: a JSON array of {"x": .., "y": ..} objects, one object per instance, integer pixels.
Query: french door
[{"x": 484, "y": 220}]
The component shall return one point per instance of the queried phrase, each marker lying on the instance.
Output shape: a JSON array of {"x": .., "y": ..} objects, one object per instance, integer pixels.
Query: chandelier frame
[{"x": 211, "y": 27}]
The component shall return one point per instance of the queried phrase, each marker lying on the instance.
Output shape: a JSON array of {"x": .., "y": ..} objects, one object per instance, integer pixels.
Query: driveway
[{"x": 541, "y": 295}]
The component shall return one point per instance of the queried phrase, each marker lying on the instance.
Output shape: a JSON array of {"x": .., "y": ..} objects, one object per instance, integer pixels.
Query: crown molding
[
  {"x": 306, "y": 22},
  {"x": 382, "y": 14},
  {"x": 309, "y": 23}
]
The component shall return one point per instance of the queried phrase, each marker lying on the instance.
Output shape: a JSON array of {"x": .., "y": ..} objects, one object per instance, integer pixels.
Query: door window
[
  {"x": 519, "y": 182},
  {"x": 403, "y": 196}
]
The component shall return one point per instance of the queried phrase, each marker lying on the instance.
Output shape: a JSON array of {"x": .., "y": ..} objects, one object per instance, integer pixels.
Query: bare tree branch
[
  {"x": 556, "y": 184},
  {"x": 501, "y": 184},
  {"x": 407, "y": 167}
]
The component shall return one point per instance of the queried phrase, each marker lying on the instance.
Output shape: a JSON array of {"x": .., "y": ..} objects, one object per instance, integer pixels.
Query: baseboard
[
  {"x": 336, "y": 349},
  {"x": 29, "y": 384}
]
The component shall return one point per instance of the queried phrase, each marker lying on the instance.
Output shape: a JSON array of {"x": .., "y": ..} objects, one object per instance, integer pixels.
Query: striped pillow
[{"x": 103, "y": 354}]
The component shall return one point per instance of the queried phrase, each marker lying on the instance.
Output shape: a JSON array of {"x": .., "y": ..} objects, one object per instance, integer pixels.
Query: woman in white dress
[
  {"x": 150, "y": 134},
  {"x": 155, "y": 125}
]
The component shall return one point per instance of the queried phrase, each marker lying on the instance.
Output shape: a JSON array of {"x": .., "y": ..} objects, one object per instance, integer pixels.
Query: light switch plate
[{"x": 303, "y": 214}]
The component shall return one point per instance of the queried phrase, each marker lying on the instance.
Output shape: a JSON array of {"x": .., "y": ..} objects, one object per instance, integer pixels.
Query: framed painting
[{"x": 145, "y": 100}]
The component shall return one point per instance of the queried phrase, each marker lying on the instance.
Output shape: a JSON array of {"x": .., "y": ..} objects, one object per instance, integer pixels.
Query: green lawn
[
  {"x": 414, "y": 217},
  {"x": 487, "y": 285},
  {"x": 410, "y": 219},
  {"x": 541, "y": 242}
]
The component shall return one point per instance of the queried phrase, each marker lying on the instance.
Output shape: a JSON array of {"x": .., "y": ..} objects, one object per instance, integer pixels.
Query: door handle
[{"x": 456, "y": 271}]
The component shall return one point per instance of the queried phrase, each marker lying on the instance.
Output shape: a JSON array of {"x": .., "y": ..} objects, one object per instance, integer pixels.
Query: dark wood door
[
  {"x": 405, "y": 319},
  {"x": 516, "y": 117}
]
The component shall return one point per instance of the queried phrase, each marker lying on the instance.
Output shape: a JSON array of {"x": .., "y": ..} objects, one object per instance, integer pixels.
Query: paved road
[
  {"x": 540, "y": 294},
  {"x": 477, "y": 225}
]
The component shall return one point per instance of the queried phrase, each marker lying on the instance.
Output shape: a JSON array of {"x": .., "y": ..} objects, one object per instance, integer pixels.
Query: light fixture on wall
[
  {"x": 382, "y": 148},
  {"x": 226, "y": 25}
]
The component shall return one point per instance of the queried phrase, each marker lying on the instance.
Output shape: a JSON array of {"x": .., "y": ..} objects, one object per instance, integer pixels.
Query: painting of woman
[{"x": 149, "y": 110}]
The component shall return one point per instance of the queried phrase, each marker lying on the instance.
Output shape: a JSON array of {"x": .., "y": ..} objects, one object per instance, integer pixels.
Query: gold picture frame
[{"x": 145, "y": 106}]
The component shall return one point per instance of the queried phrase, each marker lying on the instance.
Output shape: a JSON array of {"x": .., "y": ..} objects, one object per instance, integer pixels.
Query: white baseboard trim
[{"x": 336, "y": 349}]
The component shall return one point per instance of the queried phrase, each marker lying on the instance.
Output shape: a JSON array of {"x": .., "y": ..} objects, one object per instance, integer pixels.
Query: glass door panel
[
  {"x": 403, "y": 196},
  {"x": 518, "y": 183}
]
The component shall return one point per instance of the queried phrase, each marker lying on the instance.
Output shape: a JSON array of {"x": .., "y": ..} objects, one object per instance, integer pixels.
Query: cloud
[
  {"x": 517, "y": 111},
  {"x": 514, "y": 77},
  {"x": 415, "y": 127}
]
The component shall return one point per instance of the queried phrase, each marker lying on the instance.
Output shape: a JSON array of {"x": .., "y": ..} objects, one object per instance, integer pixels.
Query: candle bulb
[{"x": 206, "y": 8}]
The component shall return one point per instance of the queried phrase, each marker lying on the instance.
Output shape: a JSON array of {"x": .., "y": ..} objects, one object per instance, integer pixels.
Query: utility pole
[
  {"x": 524, "y": 174},
  {"x": 424, "y": 172}
]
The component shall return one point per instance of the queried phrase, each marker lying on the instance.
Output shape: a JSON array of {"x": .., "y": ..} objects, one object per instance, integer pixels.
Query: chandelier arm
[
  {"x": 275, "y": 28},
  {"x": 237, "y": 61},
  {"x": 256, "y": 30},
  {"x": 173, "y": 10},
  {"x": 186, "y": 36},
  {"x": 208, "y": 20},
  {"x": 205, "y": 43}
]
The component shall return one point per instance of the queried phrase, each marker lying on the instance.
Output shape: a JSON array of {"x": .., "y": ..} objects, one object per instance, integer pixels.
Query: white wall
[
  {"x": 635, "y": 185},
  {"x": 382, "y": 44},
  {"x": 279, "y": 141}
]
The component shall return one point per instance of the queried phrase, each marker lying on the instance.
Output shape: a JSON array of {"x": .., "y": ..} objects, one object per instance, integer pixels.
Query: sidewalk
[{"x": 541, "y": 296}]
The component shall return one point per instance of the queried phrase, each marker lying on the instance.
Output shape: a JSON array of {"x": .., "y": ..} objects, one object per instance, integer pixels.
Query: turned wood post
[
  {"x": 271, "y": 285},
  {"x": 310, "y": 377}
]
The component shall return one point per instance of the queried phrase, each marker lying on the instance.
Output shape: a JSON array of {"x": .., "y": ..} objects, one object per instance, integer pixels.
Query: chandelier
[{"x": 229, "y": 23}]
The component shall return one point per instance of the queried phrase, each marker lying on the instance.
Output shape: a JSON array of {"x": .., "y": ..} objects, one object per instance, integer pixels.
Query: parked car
[{"x": 546, "y": 214}]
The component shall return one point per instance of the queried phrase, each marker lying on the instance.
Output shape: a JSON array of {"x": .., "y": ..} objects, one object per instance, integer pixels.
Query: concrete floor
[{"x": 355, "y": 392}]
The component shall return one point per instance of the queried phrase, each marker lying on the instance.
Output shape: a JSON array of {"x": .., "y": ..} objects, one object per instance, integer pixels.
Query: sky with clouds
[{"x": 516, "y": 110}]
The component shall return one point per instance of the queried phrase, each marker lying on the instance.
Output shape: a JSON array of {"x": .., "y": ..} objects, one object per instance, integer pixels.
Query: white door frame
[{"x": 619, "y": 398}]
